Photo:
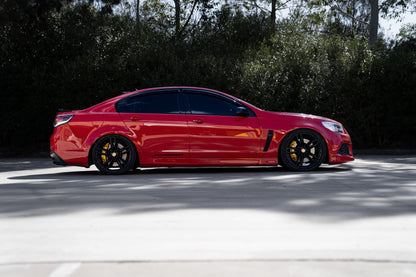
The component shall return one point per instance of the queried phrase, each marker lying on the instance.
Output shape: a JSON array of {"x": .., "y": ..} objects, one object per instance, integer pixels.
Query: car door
[
  {"x": 215, "y": 128},
  {"x": 158, "y": 122}
]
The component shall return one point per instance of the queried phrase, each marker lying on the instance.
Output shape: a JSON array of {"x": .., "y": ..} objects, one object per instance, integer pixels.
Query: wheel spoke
[
  {"x": 317, "y": 156},
  {"x": 123, "y": 150},
  {"x": 312, "y": 158},
  {"x": 313, "y": 143},
  {"x": 102, "y": 151},
  {"x": 113, "y": 143},
  {"x": 289, "y": 151},
  {"x": 120, "y": 161},
  {"x": 300, "y": 160},
  {"x": 116, "y": 161},
  {"x": 108, "y": 162},
  {"x": 299, "y": 140}
]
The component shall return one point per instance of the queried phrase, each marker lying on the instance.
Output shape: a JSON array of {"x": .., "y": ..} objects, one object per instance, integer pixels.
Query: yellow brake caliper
[
  {"x": 292, "y": 150},
  {"x": 104, "y": 157}
]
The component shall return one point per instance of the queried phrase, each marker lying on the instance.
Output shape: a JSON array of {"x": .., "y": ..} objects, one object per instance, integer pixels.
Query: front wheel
[
  {"x": 114, "y": 154},
  {"x": 302, "y": 150}
]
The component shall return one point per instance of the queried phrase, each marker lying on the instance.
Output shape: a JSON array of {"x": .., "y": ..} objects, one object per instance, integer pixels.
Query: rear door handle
[
  {"x": 198, "y": 121},
  {"x": 135, "y": 118}
]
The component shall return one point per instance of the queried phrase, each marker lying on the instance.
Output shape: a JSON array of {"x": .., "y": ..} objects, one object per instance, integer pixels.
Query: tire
[
  {"x": 114, "y": 154},
  {"x": 302, "y": 150}
]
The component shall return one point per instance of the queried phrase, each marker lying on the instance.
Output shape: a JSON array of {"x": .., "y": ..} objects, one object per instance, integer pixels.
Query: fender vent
[{"x": 268, "y": 140}]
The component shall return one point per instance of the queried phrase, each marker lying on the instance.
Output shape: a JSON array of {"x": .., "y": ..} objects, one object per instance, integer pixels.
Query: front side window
[
  {"x": 205, "y": 104},
  {"x": 149, "y": 103}
]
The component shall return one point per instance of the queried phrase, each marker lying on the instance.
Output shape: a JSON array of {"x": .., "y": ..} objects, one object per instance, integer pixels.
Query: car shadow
[{"x": 332, "y": 193}]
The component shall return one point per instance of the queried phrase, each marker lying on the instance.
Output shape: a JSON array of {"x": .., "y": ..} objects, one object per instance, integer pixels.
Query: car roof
[
  {"x": 170, "y": 87},
  {"x": 110, "y": 102}
]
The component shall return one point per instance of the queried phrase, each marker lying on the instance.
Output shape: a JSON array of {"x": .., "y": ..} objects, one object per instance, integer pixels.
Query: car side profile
[{"x": 189, "y": 126}]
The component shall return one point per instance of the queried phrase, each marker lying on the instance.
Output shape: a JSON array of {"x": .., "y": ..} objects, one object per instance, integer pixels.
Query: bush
[
  {"x": 371, "y": 91},
  {"x": 78, "y": 56}
]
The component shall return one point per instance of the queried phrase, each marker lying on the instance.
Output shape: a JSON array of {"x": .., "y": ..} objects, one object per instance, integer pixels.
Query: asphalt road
[{"x": 356, "y": 219}]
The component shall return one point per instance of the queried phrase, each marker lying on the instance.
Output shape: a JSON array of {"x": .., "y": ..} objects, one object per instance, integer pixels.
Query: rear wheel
[
  {"x": 302, "y": 150},
  {"x": 114, "y": 154}
]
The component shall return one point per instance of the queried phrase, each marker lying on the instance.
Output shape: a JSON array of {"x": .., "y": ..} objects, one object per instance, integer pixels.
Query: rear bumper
[
  {"x": 66, "y": 148},
  {"x": 56, "y": 159}
]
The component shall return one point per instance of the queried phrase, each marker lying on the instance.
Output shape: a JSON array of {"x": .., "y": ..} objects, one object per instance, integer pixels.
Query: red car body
[{"x": 186, "y": 138}]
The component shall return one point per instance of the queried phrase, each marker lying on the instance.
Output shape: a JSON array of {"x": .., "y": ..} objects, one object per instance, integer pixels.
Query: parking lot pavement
[{"x": 356, "y": 219}]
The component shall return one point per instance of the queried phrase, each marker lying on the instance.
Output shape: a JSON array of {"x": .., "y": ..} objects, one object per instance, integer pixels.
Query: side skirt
[{"x": 197, "y": 162}]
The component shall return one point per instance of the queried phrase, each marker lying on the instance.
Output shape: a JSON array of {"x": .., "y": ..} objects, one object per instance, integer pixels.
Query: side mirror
[{"x": 241, "y": 111}]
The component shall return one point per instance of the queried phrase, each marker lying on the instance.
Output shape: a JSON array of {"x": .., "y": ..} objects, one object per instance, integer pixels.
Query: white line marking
[{"x": 65, "y": 270}]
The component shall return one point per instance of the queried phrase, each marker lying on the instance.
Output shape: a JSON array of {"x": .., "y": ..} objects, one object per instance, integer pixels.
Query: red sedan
[{"x": 187, "y": 126}]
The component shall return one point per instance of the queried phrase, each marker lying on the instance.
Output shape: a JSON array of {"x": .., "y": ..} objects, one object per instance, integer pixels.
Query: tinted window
[
  {"x": 211, "y": 105},
  {"x": 149, "y": 103}
]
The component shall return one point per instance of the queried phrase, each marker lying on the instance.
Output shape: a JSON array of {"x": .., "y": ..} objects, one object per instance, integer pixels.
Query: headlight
[
  {"x": 62, "y": 119},
  {"x": 337, "y": 128}
]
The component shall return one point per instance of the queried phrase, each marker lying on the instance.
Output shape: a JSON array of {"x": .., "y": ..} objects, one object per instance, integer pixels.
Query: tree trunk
[
  {"x": 177, "y": 18},
  {"x": 353, "y": 21},
  {"x": 138, "y": 15},
  {"x": 273, "y": 15},
  {"x": 373, "y": 21}
]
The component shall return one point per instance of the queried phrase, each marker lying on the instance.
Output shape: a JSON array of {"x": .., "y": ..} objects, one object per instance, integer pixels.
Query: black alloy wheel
[
  {"x": 302, "y": 150},
  {"x": 114, "y": 154}
]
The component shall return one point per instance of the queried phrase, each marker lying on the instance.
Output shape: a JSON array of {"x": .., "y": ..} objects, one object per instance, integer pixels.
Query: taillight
[{"x": 62, "y": 119}]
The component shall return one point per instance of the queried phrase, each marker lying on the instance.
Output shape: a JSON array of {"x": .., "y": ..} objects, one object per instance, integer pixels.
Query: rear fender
[{"x": 109, "y": 128}]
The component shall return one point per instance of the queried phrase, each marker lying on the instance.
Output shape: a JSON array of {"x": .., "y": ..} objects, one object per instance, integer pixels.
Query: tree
[
  {"x": 182, "y": 7},
  {"x": 274, "y": 5},
  {"x": 368, "y": 14}
]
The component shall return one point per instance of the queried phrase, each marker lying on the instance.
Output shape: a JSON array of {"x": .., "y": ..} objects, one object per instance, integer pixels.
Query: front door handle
[
  {"x": 198, "y": 121},
  {"x": 135, "y": 118}
]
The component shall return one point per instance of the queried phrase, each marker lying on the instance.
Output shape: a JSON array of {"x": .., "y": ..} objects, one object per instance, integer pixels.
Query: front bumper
[{"x": 341, "y": 150}]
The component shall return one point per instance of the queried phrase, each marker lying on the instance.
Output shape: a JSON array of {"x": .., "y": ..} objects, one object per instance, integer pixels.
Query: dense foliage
[{"x": 77, "y": 55}]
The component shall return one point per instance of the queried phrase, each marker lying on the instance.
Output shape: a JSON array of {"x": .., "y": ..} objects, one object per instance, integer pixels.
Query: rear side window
[{"x": 149, "y": 103}]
